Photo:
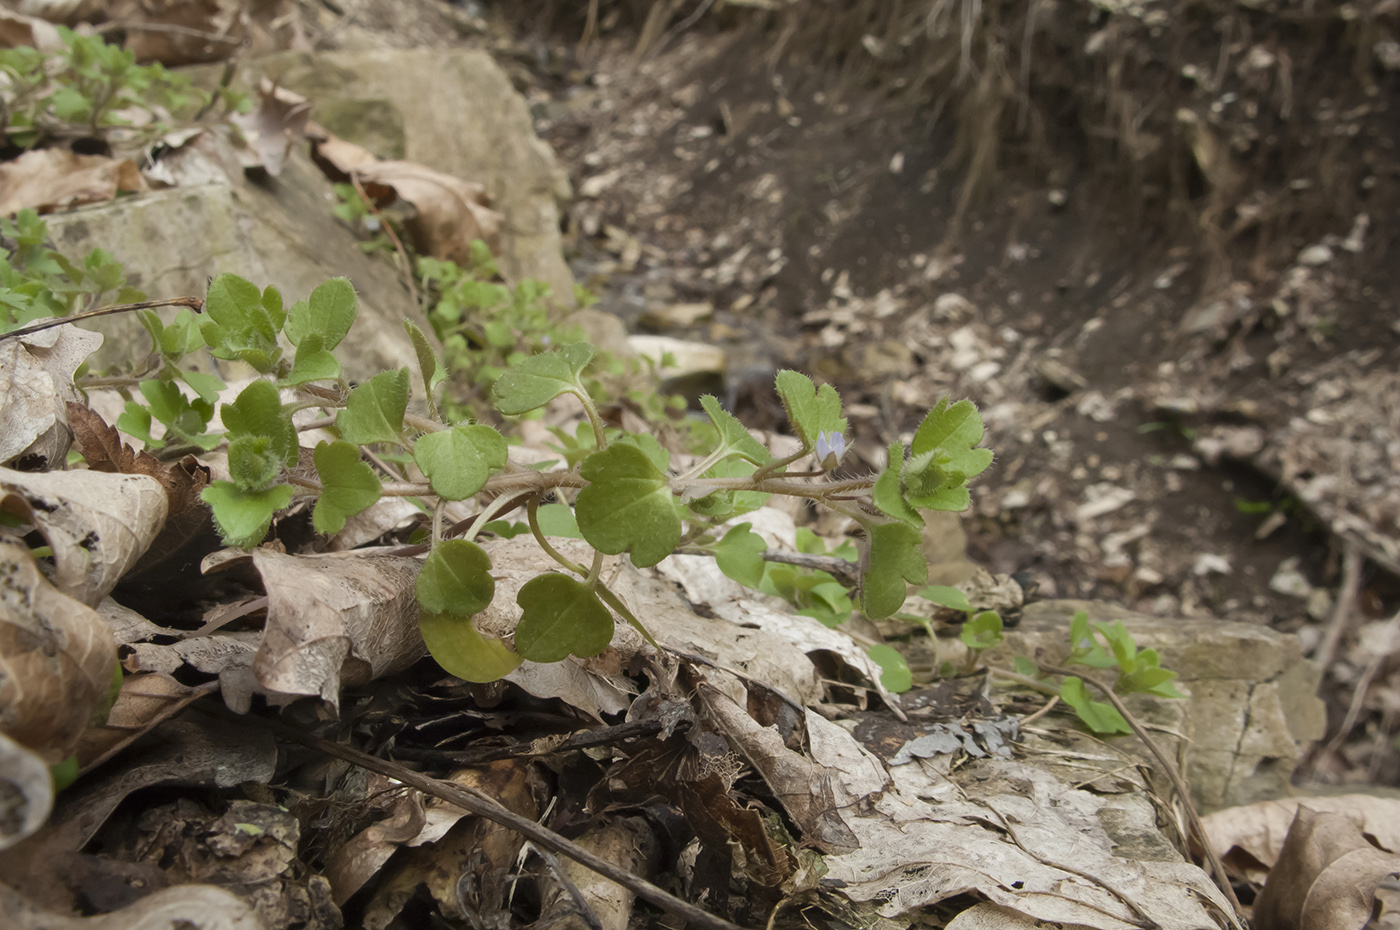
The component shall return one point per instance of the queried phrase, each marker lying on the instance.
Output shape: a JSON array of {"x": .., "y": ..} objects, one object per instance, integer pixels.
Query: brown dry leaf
[
  {"x": 99, "y": 525},
  {"x": 47, "y": 179},
  {"x": 190, "y": 907},
  {"x": 1250, "y": 838},
  {"x": 1326, "y": 876},
  {"x": 276, "y": 124},
  {"x": 360, "y": 858},
  {"x": 335, "y": 620},
  {"x": 145, "y": 701},
  {"x": 451, "y": 213},
  {"x": 17, "y": 29},
  {"x": 27, "y": 787},
  {"x": 186, "y": 515},
  {"x": 36, "y": 382},
  {"x": 57, "y": 659},
  {"x": 184, "y": 44}
]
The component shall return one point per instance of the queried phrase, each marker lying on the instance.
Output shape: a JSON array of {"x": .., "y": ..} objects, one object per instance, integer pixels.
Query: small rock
[
  {"x": 594, "y": 187},
  {"x": 1102, "y": 498},
  {"x": 1288, "y": 580},
  {"x": 1315, "y": 255},
  {"x": 953, "y": 307},
  {"x": 1208, "y": 563},
  {"x": 1057, "y": 198},
  {"x": 983, "y": 371},
  {"x": 676, "y": 316},
  {"x": 686, "y": 358}
]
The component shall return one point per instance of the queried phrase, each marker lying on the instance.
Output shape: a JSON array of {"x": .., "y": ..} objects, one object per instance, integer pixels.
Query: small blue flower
[{"x": 830, "y": 449}]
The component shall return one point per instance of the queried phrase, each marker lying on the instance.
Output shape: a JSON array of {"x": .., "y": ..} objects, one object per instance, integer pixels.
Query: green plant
[
  {"x": 88, "y": 87},
  {"x": 352, "y": 209},
  {"x": 38, "y": 281},
  {"x": 624, "y": 494}
]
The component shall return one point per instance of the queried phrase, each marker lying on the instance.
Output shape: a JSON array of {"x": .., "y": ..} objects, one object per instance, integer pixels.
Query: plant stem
[
  {"x": 194, "y": 303},
  {"x": 776, "y": 464},
  {"x": 532, "y": 514}
]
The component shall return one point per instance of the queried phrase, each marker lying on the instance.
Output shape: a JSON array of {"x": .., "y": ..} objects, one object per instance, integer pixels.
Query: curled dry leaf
[
  {"x": 276, "y": 124},
  {"x": 335, "y": 620},
  {"x": 27, "y": 787},
  {"x": 192, "y": 907},
  {"x": 47, "y": 179},
  {"x": 145, "y": 701},
  {"x": 17, "y": 29},
  {"x": 1249, "y": 839},
  {"x": 99, "y": 525},
  {"x": 36, "y": 382},
  {"x": 1326, "y": 876},
  {"x": 186, "y": 515},
  {"x": 450, "y": 212},
  {"x": 57, "y": 659}
]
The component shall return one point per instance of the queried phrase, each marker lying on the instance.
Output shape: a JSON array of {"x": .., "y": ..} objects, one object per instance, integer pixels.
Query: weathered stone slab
[{"x": 1251, "y": 696}]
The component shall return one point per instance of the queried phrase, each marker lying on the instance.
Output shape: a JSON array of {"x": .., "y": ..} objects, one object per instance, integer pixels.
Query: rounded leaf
[
  {"x": 461, "y": 650},
  {"x": 456, "y": 579},
  {"x": 560, "y": 617},
  {"x": 459, "y": 460}
]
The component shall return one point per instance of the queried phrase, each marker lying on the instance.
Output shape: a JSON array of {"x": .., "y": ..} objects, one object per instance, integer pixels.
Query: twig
[
  {"x": 581, "y": 906},
  {"x": 393, "y": 237},
  {"x": 482, "y": 805},
  {"x": 170, "y": 28},
  {"x": 1358, "y": 694},
  {"x": 1049, "y": 706},
  {"x": 1341, "y": 612},
  {"x": 194, "y": 303},
  {"x": 1173, "y": 775}
]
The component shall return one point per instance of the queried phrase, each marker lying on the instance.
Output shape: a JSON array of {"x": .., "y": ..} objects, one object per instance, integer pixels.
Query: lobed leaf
[
  {"x": 628, "y": 504},
  {"x": 328, "y": 313},
  {"x": 374, "y": 410},
  {"x": 892, "y": 557},
  {"x": 535, "y": 381},
  {"x": 243, "y": 517},
  {"x": 810, "y": 410},
  {"x": 348, "y": 485},
  {"x": 560, "y": 617},
  {"x": 257, "y": 411},
  {"x": 458, "y": 461}
]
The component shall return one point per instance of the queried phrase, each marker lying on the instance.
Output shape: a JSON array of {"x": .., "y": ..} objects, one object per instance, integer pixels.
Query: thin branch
[
  {"x": 169, "y": 28},
  {"x": 1173, "y": 774},
  {"x": 482, "y": 805},
  {"x": 194, "y": 303},
  {"x": 393, "y": 237}
]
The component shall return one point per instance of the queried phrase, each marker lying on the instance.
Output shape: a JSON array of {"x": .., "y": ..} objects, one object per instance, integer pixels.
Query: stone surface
[
  {"x": 457, "y": 113},
  {"x": 279, "y": 231},
  {"x": 1252, "y": 695}
]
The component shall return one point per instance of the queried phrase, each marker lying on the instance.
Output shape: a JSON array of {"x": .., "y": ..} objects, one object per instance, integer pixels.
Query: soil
[{"x": 1147, "y": 380}]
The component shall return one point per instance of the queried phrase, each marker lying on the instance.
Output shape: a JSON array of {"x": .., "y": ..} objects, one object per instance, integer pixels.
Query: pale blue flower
[{"x": 830, "y": 449}]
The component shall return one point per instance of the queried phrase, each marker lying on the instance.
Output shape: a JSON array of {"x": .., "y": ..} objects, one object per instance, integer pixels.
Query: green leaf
[
  {"x": 348, "y": 485},
  {"x": 1024, "y": 666},
  {"x": 252, "y": 464},
  {"x": 740, "y": 555},
  {"x": 648, "y": 443},
  {"x": 456, "y": 579},
  {"x": 892, "y": 557},
  {"x": 627, "y": 505},
  {"x": 1120, "y": 643},
  {"x": 243, "y": 323},
  {"x": 1097, "y": 716},
  {"x": 558, "y": 520},
  {"x": 313, "y": 362},
  {"x": 206, "y": 386},
  {"x": 894, "y": 670},
  {"x": 944, "y": 596},
  {"x": 809, "y": 410},
  {"x": 809, "y": 543},
  {"x": 244, "y": 516},
  {"x": 459, "y": 460},
  {"x": 723, "y": 505},
  {"x": 888, "y": 494},
  {"x": 374, "y": 411},
  {"x": 258, "y": 411},
  {"x": 1085, "y": 649},
  {"x": 954, "y": 430},
  {"x": 537, "y": 380},
  {"x": 329, "y": 314},
  {"x": 461, "y": 650},
  {"x": 982, "y": 631},
  {"x": 560, "y": 617},
  {"x": 432, "y": 373},
  {"x": 732, "y": 433}
]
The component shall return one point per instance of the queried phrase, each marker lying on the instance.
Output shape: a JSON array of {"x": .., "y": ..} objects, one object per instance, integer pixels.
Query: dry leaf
[
  {"x": 190, "y": 907},
  {"x": 57, "y": 659},
  {"x": 145, "y": 701},
  {"x": 36, "y": 382},
  {"x": 17, "y": 29},
  {"x": 47, "y": 179},
  {"x": 182, "y": 45},
  {"x": 1326, "y": 876},
  {"x": 186, "y": 515},
  {"x": 451, "y": 213},
  {"x": 334, "y": 621},
  {"x": 27, "y": 787},
  {"x": 276, "y": 124},
  {"x": 360, "y": 858},
  {"x": 98, "y": 525},
  {"x": 1250, "y": 838}
]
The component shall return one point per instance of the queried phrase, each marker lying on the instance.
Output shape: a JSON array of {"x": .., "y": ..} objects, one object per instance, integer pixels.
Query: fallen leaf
[
  {"x": 144, "y": 702},
  {"x": 186, "y": 42},
  {"x": 57, "y": 659},
  {"x": 99, "y": 525},
  {"x": 450, "y": 213},
  {"x": 360, "y": 858},
  {"x": 47, "y": 179},
  {"x": 1326, "y": 875},
  {"x": 335, "y": 621},
  {"x": 276, "y": 124},
  {"x": 36, "y": 382},
  {"x": 17, "y": 29},
  {"x": 27, "y": 787},
  {"x": 1250, "y": 838},
  {"x": 190, "y": 907}
]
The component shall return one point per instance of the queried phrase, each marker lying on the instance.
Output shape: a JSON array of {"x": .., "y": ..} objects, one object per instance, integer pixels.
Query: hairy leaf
[
  {"x": 732, "y": 434},
  {"x": 537, "y": 380},
  {"x": 627, "y": 505},
  {"x": 328, "y": 313},
  {"x": 348, "y": 485},
  {"x": 459, "y": 460},
  {"x": 243, "y": 517},
  {"x": 810, "y": 410},
  {"x": 374, "y": 411}
]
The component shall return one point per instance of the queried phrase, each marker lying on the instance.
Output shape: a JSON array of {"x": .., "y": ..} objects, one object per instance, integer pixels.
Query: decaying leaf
[
  {"x": 360, "y": 858},
  {"x": 335, "y": 620},
  {"x": 276, "y": 124},
  {"x": 27, "y": 788},
  {"x": 186, "y": 515},
  {"x": 1249, "y": 839},
  {"x": 17, "y": 29},
  {"x": 99, "y": 525},
  {"x": 36, "y": 382},
  {"x": 47, "y": 179},
  {"x": 145, "y": 701},
  {"x": 192, "y": 907},
  {"x": 450, "y": 212},
  {"x": 57, "y": 659},
  {"x": 1326, "y": 875}
]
